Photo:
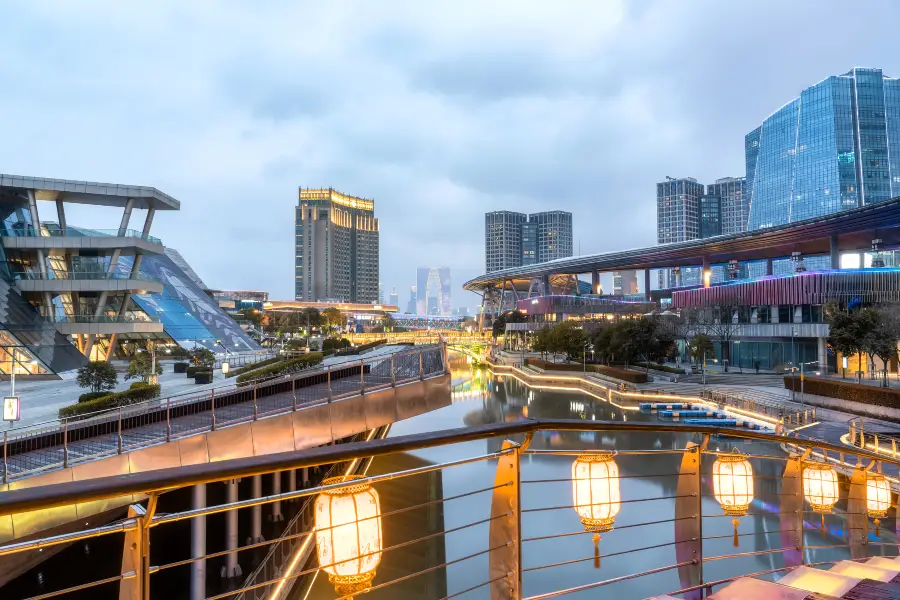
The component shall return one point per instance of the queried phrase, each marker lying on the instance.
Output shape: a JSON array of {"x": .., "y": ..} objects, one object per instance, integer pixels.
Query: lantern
[
  {"x": 878, "y": 497},
  {"x": 225, "y": 368},
  {"x": 595, "y": 494},
  {"x": 820, "y": 488},
  {"x": 733, "y": 486},
  {"x": 348, "y": 534}
]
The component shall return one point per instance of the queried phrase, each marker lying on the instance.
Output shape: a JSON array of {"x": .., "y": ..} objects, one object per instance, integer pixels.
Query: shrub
[
  {"x": 254, "y": 366},
  {"x": 98, "y": 375},
  {"x": 202, "y": 357},
  {"x": 203, "y": 377},
  {"x": 141, "y": 366},
  {"x": 139, "y": 392},
  {"x": 180, "y": 367},
  {"x": 91, "y": 395},
  {"x": 360, "y": 349},
  {"x": 663, "y": 368},
  {"x": 844, "y": 390},
  {"x": 191, "y": 371},
  {"x": 629, "y": 376},
  {"x": 283, "y": 368},
  {"x": 335, "y": 344}
]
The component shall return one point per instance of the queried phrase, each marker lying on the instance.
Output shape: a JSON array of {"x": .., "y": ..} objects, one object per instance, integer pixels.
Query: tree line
[{"x": 866, "y": 331}]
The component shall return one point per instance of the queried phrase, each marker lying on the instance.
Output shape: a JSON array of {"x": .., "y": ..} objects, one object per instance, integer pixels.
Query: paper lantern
[
  {"x": 878, "y": 497},
  {"x": 595, "y": 490},
  {"x": 348, "y": 534},
  {"x": 733, "y": 486},
  {"x": 820, "y": 488}
]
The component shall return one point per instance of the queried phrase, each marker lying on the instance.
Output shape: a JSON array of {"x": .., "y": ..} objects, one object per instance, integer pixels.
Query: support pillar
[
  {"x": 292, "y": 481},
  {"x": 198, "y": 545},
  {"x": 545, "y": 282},
  {"x": 595, "y": 282},
  {"x": 276, "y": 506},
  {"x": 835, "y": 252},
  {"x": 256, "y": 513},
  {"x": 61, "y": 215},
  {"x": 305, "y": 477},
  {"x": 647, "y": 284},
  {"x": 231, "y": 568},
  {"x": 677, "y": 272},
  {"x": 768, "y": 266},
  {"x": 42, "y": 262},
  {"x": 147, "y": 222},
  {"x": 126, "y": 216},
  {"x": 822, "y": 354}
]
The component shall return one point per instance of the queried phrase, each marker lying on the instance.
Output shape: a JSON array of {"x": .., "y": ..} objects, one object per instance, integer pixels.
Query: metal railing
[
  {"x": 30, "y": 231},
  {"x": 786, "y": 414},
  {"x": 65, "y": 442},
  {"x": 512, "y": 523}
]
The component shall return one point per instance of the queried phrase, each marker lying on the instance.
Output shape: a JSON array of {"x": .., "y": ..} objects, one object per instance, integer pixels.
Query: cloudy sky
[{"x": 439, "y": 111}]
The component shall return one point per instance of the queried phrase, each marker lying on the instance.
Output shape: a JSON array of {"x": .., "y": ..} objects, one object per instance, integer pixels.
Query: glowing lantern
[
  {"x": 348, "y": 534},
  {"x": 878, "y": 497},
  {"x": 820, "y": 488},
  {"x": 733, "y": 486},
  {"x": 225, "y": 368},
  {"x": 595, "y": 494}
]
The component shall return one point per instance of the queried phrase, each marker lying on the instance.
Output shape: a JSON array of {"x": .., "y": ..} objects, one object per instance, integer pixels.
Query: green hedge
[
  {"x": 629, "y": 376},
  {"x": 283, "y": 368},
  {"x": 181, "y": 367},
  {"x": 254, "y": 366},
  {"x": 203, "y": 377},
  {"x": 360, "y": 348},
  {"x": 138, "y": 392},
  {"x": 844, "y": 390},
  {"x": 191, "y": 371},
  {"x": 663, "y": 368},
  {"x": 91, "y": 396}
]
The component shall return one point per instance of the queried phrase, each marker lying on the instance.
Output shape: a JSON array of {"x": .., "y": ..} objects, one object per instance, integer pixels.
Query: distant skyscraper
[
  {"x": 834, "y": 148},
  {"x": 710, "y": 215},
  {"x": 678, "y": 210},
  {"x": 433, "y": 291},
  {"x": 625, "y": 283},
  {"x": 411, "y": 305},
  {"x": 380, "y": 293},
  {"x": 394, "y": 298},
  {"x": 336, "y": 243},
  {"x": 514, "y": 239},
  {"x": 734, "y": 204},
  {"x": 503, "y": 240}
]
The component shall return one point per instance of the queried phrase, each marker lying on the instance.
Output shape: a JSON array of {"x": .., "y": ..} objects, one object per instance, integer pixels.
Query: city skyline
[{"x": 587, "y": 126}]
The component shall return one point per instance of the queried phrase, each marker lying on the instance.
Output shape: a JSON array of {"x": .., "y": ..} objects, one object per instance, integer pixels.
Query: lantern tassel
[
  {"x": 735, "y": 539},
  {"x": 823, "y": 523},
  {"x": 877, "y": 523},
  {"x": 596, "y": 550}
]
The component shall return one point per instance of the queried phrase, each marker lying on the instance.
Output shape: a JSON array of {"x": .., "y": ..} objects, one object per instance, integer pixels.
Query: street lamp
[{"x": 793, "y": 363}]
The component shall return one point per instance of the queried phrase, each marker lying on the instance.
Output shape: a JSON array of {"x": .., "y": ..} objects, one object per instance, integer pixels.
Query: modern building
[
  {"x": 503, "y": 240},
  {"x": 68, "y": 293},
  {"x": 380, "y": 293},
  {"x": 433, "y": 291},
  {"x": 411, "y": 305},
  {"x": 678, "y": 210},
  {"x": 834, "y": 148},
  {"x": 625, "y": 283},
  {"x": 710, "y": 216},
  {"x": 734, "y": 204},
  {"x": 394, "y": 298},
  {"x": 252, "y": 295},
  {"x": 514, "y": 239},
  {"x": 336, "y": 254}
]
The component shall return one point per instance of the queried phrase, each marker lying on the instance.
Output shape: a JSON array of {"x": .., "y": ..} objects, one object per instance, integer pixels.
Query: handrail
[{"x": 62, "y": 494}]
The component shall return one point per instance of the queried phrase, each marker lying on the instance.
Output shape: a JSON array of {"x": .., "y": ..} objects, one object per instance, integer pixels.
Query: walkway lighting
[
  {"x": 225, "y": 368},
  {"x": 878, "y": 497},
  {"x": 733, "y": 486},
  {"x": 820, "y": 488},
  {"x": 595, "y": 494},
  {"x": 348, "y": 534}
]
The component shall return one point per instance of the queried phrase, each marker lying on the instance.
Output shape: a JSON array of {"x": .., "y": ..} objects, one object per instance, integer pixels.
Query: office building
[
  {"x": 503, "y": 239},
  {"x": 336, "y": 254},
  {"x": 248, "y": 295},
  {"x": 835, "y": 147},
  {"x": 394, "y": 298},
  {"x": 734, "y": 204},
  {"x": 678, "y": 210},
  {"x": 514, "y": 239},
  {"x": 625, "y": 283},
  {"x": 411, "y": 305},
  {"x": 710, "y": 216},
  {"x": 433, "y": 291},
  {"x": 380, "y": 293}
]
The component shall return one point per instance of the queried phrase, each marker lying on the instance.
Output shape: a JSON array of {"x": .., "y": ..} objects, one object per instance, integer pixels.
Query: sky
[{"x": 439, "y": 110}]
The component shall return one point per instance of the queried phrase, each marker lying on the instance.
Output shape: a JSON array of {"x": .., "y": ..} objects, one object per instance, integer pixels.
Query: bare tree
[{"x": 722, "y": 324}]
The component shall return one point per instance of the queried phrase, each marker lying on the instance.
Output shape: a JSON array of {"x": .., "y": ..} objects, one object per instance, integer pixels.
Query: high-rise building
[
  {"x": 554, "y": 234},
  {"x": 678, "y": 210},
  {"x": 336, "y": 247},
  {"x": 514, "y": 239},
  {"x": 394, "y": 298},
  {"x": 834, "y": 148},
  {"x": 433, "y": 291},
  {"x": 503, "y": 240},
  {"x": 380, "y": 293},
  {"x": 710, "y": 215},
  {"x": 625, "y": 283},
  {"x": 734, "y": 204},
  {"x": 411, "y": 305}
]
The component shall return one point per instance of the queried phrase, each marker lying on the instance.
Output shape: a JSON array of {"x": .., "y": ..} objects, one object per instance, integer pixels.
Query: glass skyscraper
[{"x": 835, "y": 147}]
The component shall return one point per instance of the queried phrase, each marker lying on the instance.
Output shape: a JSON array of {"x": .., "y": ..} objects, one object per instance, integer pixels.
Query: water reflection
[{"x": 481, "y": 397}]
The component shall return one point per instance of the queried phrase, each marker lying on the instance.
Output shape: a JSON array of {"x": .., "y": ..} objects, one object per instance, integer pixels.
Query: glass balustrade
[{"x": 26, "y": 230}]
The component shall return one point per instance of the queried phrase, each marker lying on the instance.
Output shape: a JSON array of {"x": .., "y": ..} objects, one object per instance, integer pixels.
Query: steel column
[
  {"x": 689, "y": 519},
  {"x": 504, "y": 560},
  {"x": 256, "y": 512},
  {"x": 277, "y": 515},
  {"x": 198, "y": 545},
  {"x": 231, "y": 567},
  {"x": 126, "y": 216},
  {"x": 119, "y": 433},
  {"x": 646, "y": 284},
  {"x": 791, "y": 513}
]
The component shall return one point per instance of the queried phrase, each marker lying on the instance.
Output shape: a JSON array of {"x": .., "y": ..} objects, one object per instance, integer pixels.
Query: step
[
  {"x": 823, "y": 582},
  {"x": 663, "y": 406},
  {"x": 747, "y": 588},
  {"x": 863, "y": 571},
  {"x": 676, "y": 414}
]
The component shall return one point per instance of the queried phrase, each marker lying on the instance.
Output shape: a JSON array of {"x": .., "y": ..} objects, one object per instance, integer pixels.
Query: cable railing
[
  {"x": 65, "y": 442},
  {"x": 537, "y": 509}
]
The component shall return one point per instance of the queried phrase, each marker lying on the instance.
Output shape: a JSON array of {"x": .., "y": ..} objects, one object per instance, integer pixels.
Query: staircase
[
  {"x": 871, "y": 579},
  {"x": 736, "y": 378}
]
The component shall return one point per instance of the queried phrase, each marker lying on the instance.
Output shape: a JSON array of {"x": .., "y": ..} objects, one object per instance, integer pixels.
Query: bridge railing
[
  {"x": 66, "y": 442},
  {"x": 537, "y": 509}
]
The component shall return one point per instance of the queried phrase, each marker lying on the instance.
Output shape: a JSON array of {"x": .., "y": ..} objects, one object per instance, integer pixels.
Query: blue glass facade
[{"x": 832, "y": 149}]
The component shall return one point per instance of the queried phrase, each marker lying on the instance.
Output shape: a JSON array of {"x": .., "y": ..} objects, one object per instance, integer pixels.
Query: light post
[
  {"x": 793, "y": 363},
  {"x": 703, "y": 368}
]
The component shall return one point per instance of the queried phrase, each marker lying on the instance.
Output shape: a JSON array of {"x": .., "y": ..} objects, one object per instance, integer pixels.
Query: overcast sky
[{"x": 439, "y": 111}]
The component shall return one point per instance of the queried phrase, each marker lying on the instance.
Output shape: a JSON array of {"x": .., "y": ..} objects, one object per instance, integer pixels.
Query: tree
[
  {"x": 98, "y": 375},
  {"x": 250, "y": 314},
  {"x": 569, "y": 339},
  {"x": 541, "y": 341},
  {"x": 201, "y": 357},
  {"x": 311, "y": 317},
  {"x": 604, "y": 347},
  {"x": 846, "y": 331},
  {"x": 499, "y": 324},
  {"x": 723, "y": 326},
  {"x": 140, "y": 367},
  {"x": 882, "y": 330},
  {"x": 334, "y": 318},
  {"x": 700, "y": 346}
]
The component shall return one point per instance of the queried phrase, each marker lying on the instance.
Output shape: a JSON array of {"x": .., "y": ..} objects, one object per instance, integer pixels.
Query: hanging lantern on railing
[
  {"x": 733, "y": 486},
  {"x": 348, "y": 534},
  {"x": 878, "y": 497},
  {"x": 820, "y": 488},
  {"x": 595, "y": 494}
]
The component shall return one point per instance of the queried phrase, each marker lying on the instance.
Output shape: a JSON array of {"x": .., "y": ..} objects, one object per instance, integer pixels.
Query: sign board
[
  {"x": 11, "y": 408},
  {"x": 225, "y": 368},
  {"x": 845, "y": 362}
]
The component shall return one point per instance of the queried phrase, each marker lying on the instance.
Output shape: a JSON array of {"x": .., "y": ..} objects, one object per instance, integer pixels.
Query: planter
[
  {"x": 203, "y": 377},
  {"x": 181, "y": 367},
  {"x": 191, "y": 371}
]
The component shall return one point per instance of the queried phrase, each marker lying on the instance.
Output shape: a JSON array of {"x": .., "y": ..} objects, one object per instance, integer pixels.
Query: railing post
[
  {"x": 119, "y": 432},
  {"x": 421, "y": 367},
  {"x": 362, "y": 376},
  {"x": 212, "y": 406},
  {"x": 328, "y": 379},
  {"x": 255, "y": 406},
  {"x": 293, "y": 395},
  {"x": 5, "y": 465},
  {"x": 169, "y": 420},
  {"x": 65, "y": 445},
  {"x": 393, "y": 373}
]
